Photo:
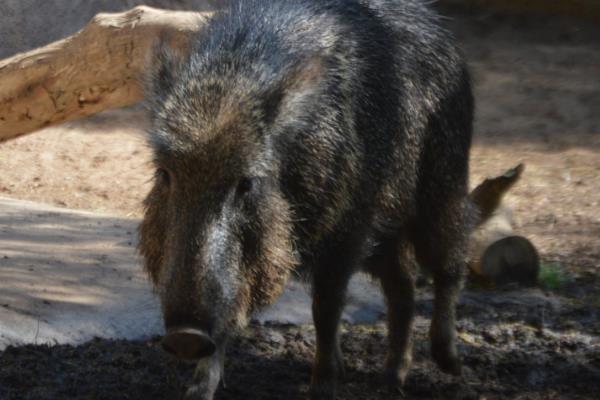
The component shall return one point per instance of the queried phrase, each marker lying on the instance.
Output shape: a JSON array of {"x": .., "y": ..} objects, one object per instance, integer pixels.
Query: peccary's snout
[{"x": 188, "y": 343}]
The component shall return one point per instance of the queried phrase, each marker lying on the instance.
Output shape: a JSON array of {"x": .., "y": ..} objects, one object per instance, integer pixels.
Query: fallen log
[
  {"x": 497, "y": 254},
  {"x": 511, "y": 259},
  {"x": 100, "y": 67}
]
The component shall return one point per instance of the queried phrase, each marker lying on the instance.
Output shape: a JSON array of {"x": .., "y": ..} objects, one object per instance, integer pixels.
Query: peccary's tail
[{"x": 487, "y": 196}]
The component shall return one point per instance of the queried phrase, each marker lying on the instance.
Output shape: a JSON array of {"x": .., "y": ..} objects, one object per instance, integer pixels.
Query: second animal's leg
[
  {"x": 394, "y": 268},
  {"x": 329, "y": 290}
]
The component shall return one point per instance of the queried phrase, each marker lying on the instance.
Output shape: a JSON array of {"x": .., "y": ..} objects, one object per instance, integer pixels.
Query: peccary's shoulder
[{"x": 275, "y": 33}]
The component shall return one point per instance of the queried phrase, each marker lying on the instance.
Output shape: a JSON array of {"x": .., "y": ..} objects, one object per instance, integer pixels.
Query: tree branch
[{"x": 99, "y": 67}]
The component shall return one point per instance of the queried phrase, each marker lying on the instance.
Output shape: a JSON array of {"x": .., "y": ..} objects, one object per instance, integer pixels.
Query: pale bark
[{"x": 100, "y": 67}]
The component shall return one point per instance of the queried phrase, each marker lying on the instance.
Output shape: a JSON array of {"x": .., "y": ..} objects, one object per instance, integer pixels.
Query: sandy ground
[
  {"x": 538, "y": 97},
  {"x": 69, "y": 276}
]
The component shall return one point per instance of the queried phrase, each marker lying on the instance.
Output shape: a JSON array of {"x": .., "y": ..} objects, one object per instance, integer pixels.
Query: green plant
[{"x": 553, "y": 275}]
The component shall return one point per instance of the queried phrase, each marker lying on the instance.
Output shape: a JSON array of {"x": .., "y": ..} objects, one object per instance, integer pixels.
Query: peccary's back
[{"x": 384, "y": 129}]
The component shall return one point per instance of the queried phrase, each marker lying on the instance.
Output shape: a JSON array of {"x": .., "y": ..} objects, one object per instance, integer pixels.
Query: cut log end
[{"x": 512, "y": 259}]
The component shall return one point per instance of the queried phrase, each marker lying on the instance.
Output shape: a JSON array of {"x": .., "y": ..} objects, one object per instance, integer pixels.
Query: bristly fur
[{"x": 330, "y": 135}]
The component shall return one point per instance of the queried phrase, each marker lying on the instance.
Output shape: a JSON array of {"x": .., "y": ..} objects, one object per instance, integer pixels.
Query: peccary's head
[{"x": 216, "y": 234}]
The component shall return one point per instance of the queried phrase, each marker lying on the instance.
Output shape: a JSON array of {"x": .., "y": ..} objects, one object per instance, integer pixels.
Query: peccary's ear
[
  {"x": 300, "y": 79},
  {"x": 272, "y": 103},
  {"x": 164, "y": 64},
  {"x": 306, "y": 73}
]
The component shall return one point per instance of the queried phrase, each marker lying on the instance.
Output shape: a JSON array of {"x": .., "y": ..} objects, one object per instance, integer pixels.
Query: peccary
[{"x": 325, "y": 136}]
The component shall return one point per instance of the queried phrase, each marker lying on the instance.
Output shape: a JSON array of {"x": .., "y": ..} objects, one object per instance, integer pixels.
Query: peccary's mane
[
  {"x": 246, "y": 48},
  {"x": 275, "y": 33},
  {"x": 260, "y": 39}
]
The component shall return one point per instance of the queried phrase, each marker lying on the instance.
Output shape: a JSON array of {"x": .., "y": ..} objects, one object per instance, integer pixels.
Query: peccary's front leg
[
  {"x": 329, "y": 291},
  {"x": 207, "y": 376}
]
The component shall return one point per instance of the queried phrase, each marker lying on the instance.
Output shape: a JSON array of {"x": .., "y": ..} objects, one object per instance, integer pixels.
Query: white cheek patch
[{"x": 219, "y": 264}]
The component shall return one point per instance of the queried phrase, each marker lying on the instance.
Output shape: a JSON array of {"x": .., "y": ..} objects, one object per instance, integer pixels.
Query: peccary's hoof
[
  {"x": 323, "y": 391},
  {"x": 396, "y": 390},
  {"x": 195, "y": 392},
  {"x": 396, "y": 370},
  {"x": 444, "y": 353},
  {"x": 449, "y": 364},
  {"x": 394, "y": 384},
  {"x": 394, "y": 379}
]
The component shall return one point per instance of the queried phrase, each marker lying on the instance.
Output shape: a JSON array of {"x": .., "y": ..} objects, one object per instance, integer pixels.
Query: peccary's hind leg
[
  {"x": 329, "y": 290},
  {"x": 394, "y": 268},
  {"x": 440, "y": 247},
  {"x": 443, "y": 324}
]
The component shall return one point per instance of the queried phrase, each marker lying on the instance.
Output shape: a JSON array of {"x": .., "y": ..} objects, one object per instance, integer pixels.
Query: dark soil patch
[{"x": 515, "y": 344}]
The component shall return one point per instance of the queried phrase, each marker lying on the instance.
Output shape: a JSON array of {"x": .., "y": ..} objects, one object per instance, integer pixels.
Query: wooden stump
[
  {"x": 512, "y": 259},
  {"x": 497, "y": 255}
]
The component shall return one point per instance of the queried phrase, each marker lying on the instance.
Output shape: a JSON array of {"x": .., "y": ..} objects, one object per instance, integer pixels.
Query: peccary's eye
[
  {"x": 163, "y": 176},
  {"x": 245, "y": 185}
]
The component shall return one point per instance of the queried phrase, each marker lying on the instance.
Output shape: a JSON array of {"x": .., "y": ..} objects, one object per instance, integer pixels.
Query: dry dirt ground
[{"x": 537, "y": 88}]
